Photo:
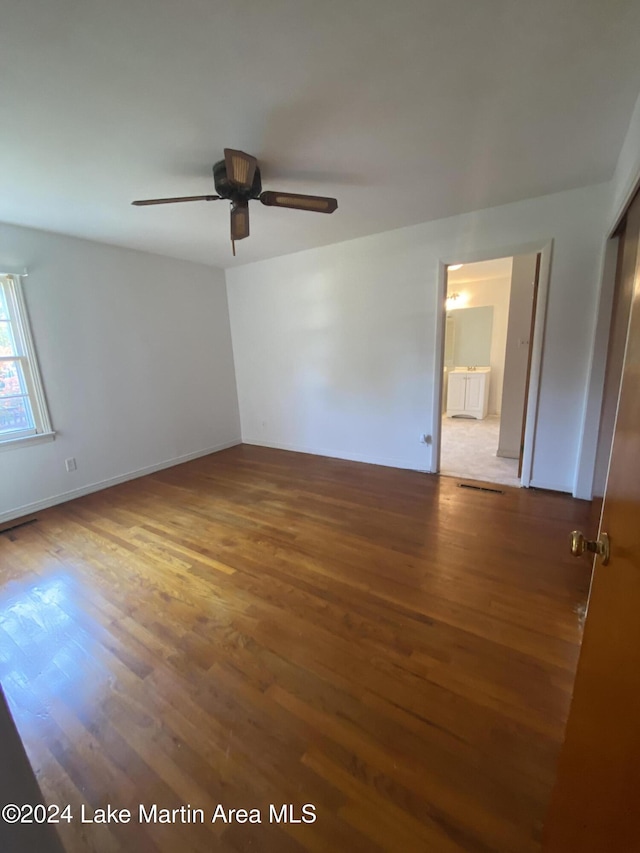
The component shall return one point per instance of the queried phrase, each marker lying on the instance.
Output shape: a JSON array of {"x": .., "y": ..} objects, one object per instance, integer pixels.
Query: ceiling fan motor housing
[
  {"x": 237, "y": 178},
  {"x": 227, "y": 189}
]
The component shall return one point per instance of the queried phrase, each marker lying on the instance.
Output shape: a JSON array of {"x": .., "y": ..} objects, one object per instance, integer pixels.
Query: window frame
[{"x": 27, "y": 359}]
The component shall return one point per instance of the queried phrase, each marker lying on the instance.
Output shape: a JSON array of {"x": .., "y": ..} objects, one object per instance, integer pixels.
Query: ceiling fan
[{"x": 237, "y": 178}]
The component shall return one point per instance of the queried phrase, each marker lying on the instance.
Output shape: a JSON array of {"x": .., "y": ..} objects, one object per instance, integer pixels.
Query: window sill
[{"x": 15, "y": 443}]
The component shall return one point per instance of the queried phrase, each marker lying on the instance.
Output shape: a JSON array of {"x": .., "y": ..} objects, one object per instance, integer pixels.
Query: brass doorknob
[{"x": 601, "y": 546}]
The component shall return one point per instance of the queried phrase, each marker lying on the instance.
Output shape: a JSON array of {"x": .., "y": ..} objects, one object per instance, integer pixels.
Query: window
[{"x": 23, "y": 411}]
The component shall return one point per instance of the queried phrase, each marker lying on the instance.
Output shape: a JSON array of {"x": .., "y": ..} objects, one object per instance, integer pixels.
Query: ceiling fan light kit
[{"x": 237, "y": 179}]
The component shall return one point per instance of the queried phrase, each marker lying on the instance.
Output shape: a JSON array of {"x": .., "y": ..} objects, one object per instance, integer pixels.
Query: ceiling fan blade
[
  {"x": 240, "y": 167},
  {"x": 239, "y": 221},
  {"x": 145, "y": 201},
  {"x": 316, "y": 203}
]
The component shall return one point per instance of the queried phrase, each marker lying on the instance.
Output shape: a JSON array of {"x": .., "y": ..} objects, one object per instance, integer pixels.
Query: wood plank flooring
[{"x": 260, "y": 627}]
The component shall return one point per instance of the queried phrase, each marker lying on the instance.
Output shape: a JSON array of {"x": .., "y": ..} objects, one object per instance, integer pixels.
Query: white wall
[
  {"x": 334, "y": 347},
  {"x": 627, "y": 173},
  {"x": 622, "y": 188},
  {"x": 136, "y": 360}
]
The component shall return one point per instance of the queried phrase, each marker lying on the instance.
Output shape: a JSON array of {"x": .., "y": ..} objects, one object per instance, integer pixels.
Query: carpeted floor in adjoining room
[{"x": 469, "y": 450}]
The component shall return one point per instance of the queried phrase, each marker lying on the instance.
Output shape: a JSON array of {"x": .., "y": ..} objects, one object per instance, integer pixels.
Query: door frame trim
[{"x": 542, "y": 247}]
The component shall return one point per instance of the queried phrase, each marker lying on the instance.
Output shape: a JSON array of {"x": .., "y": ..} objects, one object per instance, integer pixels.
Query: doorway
[{"x": 490, "y": 309}]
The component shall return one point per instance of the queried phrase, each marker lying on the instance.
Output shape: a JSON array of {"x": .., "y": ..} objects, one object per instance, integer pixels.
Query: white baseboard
[
  {"x": 508, "y": 453},
  {"x": 551, "y": 487},
  {"x": 28, "y": 509},
  {"x": 386, "y": 461}
]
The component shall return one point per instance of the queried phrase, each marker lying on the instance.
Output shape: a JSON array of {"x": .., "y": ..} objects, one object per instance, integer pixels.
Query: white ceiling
[
  {"x": 494, "y": 270},
  {"x": 405, "y": 110}
]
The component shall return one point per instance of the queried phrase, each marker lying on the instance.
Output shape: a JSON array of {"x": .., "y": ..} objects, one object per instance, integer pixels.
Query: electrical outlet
[{"x": 70, "y": 464}]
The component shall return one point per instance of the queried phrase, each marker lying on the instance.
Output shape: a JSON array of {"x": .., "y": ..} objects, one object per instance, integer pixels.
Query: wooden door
[
  {"x": 620, "y": 310},
  {"x": 596, "y": 801},
  {"x": 527, "y": 381},
  {"x": 18, "y": 786}
]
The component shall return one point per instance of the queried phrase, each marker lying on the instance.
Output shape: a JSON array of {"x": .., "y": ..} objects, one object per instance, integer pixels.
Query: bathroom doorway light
[{"x": 456, "y": 300}]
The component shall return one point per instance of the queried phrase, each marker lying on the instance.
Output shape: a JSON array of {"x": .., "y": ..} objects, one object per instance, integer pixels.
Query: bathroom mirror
[{"x": 468, "y": 337}]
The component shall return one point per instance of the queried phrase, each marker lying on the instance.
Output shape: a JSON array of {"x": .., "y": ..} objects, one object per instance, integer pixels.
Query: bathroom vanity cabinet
[{"x": 468, "y": 392}]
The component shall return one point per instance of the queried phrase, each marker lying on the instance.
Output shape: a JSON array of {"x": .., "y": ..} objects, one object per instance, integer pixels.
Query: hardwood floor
[{"x": 261, "y": 627}]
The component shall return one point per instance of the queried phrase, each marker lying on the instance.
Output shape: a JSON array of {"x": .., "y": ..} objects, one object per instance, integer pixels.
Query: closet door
[{"x": 595, "y": 802}]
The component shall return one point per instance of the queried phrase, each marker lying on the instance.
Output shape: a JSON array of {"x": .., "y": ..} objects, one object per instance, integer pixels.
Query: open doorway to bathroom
[{"x": 488, "y": 336}]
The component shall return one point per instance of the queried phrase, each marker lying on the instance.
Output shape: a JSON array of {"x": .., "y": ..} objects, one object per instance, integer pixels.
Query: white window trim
[
  {"x": 35, "y": 389},
  {"x": 26, "y": 440}
]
